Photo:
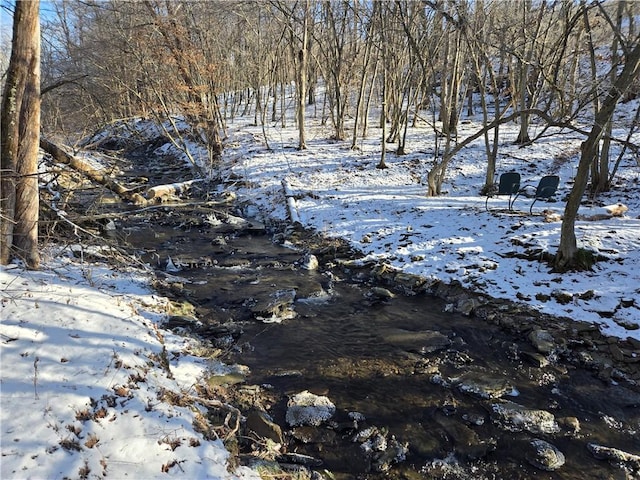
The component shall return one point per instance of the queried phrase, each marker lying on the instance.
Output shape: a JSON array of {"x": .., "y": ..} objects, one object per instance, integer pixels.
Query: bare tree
[
  {"x": 20, "y": 135},
  {"x": 378, "y": 15},
  {"x": 338, "y": 44},
  {"x": 568, "y": 256},
  {"x": 365, "y": 73},
  {"x": 600, "y": 164},
  {"x": 296, "y": 18},
  {"x": 453, "y": 54},
  {"x": 487, "y": 81},
  {"x": 302, "y": 67}
]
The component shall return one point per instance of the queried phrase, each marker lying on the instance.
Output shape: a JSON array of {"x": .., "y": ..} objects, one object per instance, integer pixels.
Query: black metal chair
[
  {"x": 509, "y": 184},
  {"x": 546, "y": 189}
]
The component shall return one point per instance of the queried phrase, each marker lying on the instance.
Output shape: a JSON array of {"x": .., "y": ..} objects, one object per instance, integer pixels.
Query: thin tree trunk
[
  {"x": 367, "y": 107},
  {"x": 600, "y": 181},
  {"x": 383, "y": 120},
  {"x": 362, "y": 87},
  {"x": 383, "y": 115},
  {"x": 566, "y": 257},
  {"x": 303, "y": 57}
]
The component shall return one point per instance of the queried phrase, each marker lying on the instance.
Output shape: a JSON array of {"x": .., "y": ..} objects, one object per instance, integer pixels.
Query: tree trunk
[
  {"x": 600, "y": 181},
  {"x": 20, "y": 126},
  {"x": 383, "y": 114},
  {"x": 301, "y": 77},
  {"x": 525, "y": 93},
  {"x": 362, "y": 87},
  {"x": 566, "y": 257},
  {"x": 383, "y": 120}
]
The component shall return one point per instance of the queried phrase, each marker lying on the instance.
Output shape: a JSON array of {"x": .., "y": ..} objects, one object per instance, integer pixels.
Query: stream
[{"x": 413, "y": 390}]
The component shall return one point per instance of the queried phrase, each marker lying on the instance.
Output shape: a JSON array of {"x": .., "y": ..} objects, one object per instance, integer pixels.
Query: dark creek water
[{"x": 428, "y": 381}]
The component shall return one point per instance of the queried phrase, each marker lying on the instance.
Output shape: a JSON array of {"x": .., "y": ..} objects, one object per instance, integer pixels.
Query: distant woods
[{"x": 431, "y": 61}]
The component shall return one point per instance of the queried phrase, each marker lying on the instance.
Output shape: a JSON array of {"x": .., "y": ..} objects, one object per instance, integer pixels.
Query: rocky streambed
[
  {"x": 343, "y": 369},
  {"x": 364, "y": 372}
]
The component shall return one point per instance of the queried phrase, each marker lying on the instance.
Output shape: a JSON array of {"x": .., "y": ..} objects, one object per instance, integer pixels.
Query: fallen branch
[
  {"x": 61, "y": 215},
  {"x": 233, "y": 414},
  {"x": 193, "y": 204},
  {"x": 95, "y": 175},
  {"x": 291, "y": 202}
]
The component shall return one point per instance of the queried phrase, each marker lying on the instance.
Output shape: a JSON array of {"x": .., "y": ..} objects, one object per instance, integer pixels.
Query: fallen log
[
  {"x": 172, "y": 189},
  {"x": 92, "y": 173},
  {"x": 290, "y": 198},
  {"x": 616, "y": 210}
]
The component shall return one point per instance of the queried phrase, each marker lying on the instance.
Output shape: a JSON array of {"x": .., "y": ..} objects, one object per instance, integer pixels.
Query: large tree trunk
[
  {"x": 20, "y": 127},
  {"x": 566, "y": 257}
]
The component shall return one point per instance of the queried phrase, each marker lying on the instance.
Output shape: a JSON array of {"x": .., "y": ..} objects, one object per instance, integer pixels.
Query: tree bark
[
  {"x": 383, "y": 115},
  {"x": 600, "y": 170},
  {"x": 20, "y": 126},
  {"x": 301, "y": 75}
]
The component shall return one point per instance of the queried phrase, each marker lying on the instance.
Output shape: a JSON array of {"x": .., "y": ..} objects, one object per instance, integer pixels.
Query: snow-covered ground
[{"x": 85, "y": 388}]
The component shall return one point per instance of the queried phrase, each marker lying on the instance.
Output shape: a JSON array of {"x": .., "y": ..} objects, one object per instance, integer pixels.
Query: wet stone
[
  {"x": 632, "y": 461},
  {"x": 427, "y": 441},
  {"x": 483, "y": 385},
  {"x": 616, "y": 352},
  {"x": 309, "y": 262},
  {"x": 380, "y": 293},
  {"x": 395, "y": 452},
  {"x": 277, "y": 307},
  {"x": 544, "y": 456},
  {"x": 467, "y": 306},
  {"x": 542, "y": 340},
  {"x": 466, "y": 442},
  {"x": 262, "y": 424},
  {"x": 570, "y": 424},
  {"x": 516, "y": 418},
  {"x": 305, "y": 408},
  {"x": 307, "y": 434},
  {"x": 536, "y": 359},
  {"x": 227, "y": 375},
  {"x": 426, "y": 341},
  {"x": 410, "y": 283}
]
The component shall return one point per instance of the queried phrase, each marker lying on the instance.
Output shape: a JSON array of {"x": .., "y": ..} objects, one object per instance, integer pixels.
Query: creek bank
[
  {"x": 611, "y": 358},
  {"x": 550, "y": 337}
]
